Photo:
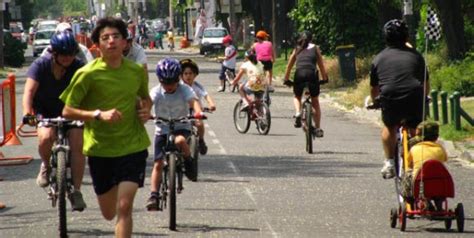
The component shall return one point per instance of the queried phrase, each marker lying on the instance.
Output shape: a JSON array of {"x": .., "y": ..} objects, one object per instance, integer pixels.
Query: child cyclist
[
  {"x": 189, "y": 72},
  {"x": 171, "y": 99},
  {"x": 256, "y": 80},
  {"x": 230, "y": 56}
]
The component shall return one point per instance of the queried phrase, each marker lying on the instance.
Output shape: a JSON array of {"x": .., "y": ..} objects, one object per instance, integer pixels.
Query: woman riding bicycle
[
  {"x": 256, "y": 80},
  {"x": 48, "y": 77},
  {"x": 308, "y": 58}
]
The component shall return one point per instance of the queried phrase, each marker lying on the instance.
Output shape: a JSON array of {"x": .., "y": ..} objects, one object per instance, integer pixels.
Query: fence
[
  {"x": 456, "y": 112},
  {"x": 8, "y": 121}
]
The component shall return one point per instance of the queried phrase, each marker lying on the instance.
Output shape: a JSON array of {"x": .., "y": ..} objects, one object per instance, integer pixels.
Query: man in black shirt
[{"x": 397, "y": 76}]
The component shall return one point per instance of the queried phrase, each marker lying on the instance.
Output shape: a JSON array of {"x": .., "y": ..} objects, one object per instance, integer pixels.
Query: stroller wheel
[
  {"x": 393, "y": 217},
  {"x": 459, "y": 212}
]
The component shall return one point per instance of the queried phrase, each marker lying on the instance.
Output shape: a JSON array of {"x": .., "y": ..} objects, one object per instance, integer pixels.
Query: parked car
[
  {"x": 212, "y": 39},
  {"x": 41, "y": 41}
]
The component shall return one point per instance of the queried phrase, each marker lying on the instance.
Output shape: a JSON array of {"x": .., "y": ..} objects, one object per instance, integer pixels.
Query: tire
[
  {"x": 194, "y": 147},
  {"x": 459, "y": 212},
  {"x": 403, "y": 218},
  {"x": 172, "y": 190},
  {"x": 264, "y": 123},
  {"x": 241, "y": 118},
  {"x": 308, "y": 120},
  {"x": 393, "y": 217},
  {"x": 62, "y": 187}
]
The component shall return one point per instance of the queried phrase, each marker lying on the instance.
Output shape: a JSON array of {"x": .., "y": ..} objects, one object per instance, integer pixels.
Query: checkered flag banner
[{"x": 433, "y": 26}]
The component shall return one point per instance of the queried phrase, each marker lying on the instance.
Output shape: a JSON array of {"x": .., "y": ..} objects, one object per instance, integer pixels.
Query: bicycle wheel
[
  {"x": 308, "y": 121},
  {"x": 194, "y": 147},
  {"x": 61, "y": 182},
  {"x": 264, "y": 119},
  {"x": 172, "y": 190},
  {"x": 241, "y": 118}
]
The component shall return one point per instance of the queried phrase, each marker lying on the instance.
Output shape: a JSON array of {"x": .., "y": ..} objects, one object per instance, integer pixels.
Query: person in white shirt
[
  {"x": 135, "y": 52},
  {"x": 229, "y": 62},
  {"x": 83, "y": 54}
]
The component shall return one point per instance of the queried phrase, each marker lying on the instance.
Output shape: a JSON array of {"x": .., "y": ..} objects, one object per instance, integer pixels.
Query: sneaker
[
  {"x": 77, "y": 201},
  {"x": 244, "y": 105},
  {"x": 202, "y": 147},
  {"x": 153, "y": 203},
  {"x": 388, "y": 169},
  {"x": 318, "y": 132},
  {"x": 220, "y": 89},
  {"x": 271, "y": 89},
  {"x": 189, "y": 170},
  {"x": 43, "y": 176},
  {"x": 297, "y": 121}
]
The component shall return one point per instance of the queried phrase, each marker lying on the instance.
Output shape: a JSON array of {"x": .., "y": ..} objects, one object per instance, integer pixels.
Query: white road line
[
  {"x": 250, "y": 194},
  {"x": 215, "y": 142},
  {"x": 211, "y": 133}
]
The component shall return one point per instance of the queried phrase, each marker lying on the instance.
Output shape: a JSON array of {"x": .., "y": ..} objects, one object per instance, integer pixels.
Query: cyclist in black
[
  {"x": 397, "y": 77},
  {"x": 308, "y": 59}
]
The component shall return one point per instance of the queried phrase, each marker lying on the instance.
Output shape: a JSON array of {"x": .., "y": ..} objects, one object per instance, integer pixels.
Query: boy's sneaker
[
  {"x": 244, "y": 105},
  {"x": 271, "y": 89},
  {"x": 43, "y": 176},
  {"x": 202, "y": 147},
  {"x": 189, "y": 170},
  {"x": 388, "y": 169},
  {"x": 318, "y": 132},
  {"x": 77, "y": 201},
  {"x": 220, "y": 89},
  {"x": 297, "y": 121},
  {"x": 153, "y": 204}
]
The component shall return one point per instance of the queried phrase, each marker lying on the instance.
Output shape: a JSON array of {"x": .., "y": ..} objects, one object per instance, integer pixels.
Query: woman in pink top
[{"x": 264, "y": 50}]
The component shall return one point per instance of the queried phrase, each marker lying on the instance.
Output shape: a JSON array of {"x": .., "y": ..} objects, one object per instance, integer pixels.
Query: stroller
[{"x": 432, "y": 187}]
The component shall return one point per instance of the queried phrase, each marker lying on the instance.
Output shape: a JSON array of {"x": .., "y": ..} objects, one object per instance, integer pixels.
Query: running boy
[
  {"x": 171, "y": 99},
  {"x": 189, "y": 73}
]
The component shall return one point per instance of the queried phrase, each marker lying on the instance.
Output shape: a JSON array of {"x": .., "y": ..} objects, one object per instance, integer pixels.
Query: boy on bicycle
[
  {"x": 256, "y": 80},
  {"x": 230, "y": 56},
  {"x": 171, "y": 99},
  {"x": 189, "y": 72}
]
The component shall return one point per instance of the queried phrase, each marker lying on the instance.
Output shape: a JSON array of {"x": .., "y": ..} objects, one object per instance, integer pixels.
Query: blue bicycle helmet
[
  {"x": 168, "y": 70},
  {"x": 396, "y": 32},
  {"x": 64, "y": 43}
]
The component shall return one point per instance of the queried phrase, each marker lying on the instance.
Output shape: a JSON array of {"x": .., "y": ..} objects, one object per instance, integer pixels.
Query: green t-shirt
[{"x": 96, "y": 86}]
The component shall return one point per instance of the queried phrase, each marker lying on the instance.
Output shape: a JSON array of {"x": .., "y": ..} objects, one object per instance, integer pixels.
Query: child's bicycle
[
  {"x": 258, "y": 111},
  {"x": 172, "y": 176},
  {"x": 60, "y": 178},
  {"x": 432, "y": 184},
  {"x": 193, "y": 142},
  {"x": 229, "y": 76}
]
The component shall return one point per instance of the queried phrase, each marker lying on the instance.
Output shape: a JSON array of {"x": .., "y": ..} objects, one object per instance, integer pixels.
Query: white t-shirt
[
  {"x": 171, "y": 105},
  {"x": 200, "y": 92},
  {"x": 256, "y": 79},
  {"x": 137, "y": 54},
  {"x": 230, "y": 63}
]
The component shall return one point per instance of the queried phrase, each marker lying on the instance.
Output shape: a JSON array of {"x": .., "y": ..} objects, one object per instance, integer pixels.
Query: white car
[
  {"x": 47, "y": 25},
  {"x": 41, "y": 41},
  {"x": 212, "y": 39}
]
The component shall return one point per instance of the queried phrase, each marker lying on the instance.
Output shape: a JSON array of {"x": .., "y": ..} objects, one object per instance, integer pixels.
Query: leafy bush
[
  {"x": 457, "y": 76},
  {"x": 14, "y": 51}
]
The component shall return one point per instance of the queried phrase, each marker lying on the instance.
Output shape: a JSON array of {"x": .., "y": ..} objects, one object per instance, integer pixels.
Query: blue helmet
[
  {"x": 168, "y": 70},
  {"x": 64, "y": 43}
]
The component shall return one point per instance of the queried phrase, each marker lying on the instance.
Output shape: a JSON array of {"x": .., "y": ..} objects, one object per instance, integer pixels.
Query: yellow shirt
[{"x": 424, "y": 151}]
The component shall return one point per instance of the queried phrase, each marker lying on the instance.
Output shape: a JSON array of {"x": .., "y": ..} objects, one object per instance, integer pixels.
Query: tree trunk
[{"x": 453, "y": 27}]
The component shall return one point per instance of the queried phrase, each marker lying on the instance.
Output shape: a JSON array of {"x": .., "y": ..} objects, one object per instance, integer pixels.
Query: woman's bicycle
[
  {"x": 172, "y": 176},
  {"x": 258, "y": 111},
  {"x": 60, "y": 177}
]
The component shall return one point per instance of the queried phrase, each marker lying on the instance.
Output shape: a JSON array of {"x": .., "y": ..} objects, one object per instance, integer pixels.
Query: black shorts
[
  {"x": 160, "y": 143},
  {"x": 267, "y": 64},
  {"x": 408, "y": 109},
  {"x": 306, "y": 78},
  {"x": 107, "y": 172},
  {"x": 222, "y": 72}
]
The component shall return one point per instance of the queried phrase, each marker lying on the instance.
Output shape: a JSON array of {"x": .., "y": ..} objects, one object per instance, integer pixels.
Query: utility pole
[
  {"x": 171, "y": 15},
  {"x": 274, "y": 24},
  {"x": 410, "y": 21},
  {"x": 2, "y": 63},
  {"x": 232, "y": 17}
]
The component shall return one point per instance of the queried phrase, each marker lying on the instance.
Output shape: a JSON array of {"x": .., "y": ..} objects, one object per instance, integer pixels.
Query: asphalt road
[{"x": 249, "y": 185}]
